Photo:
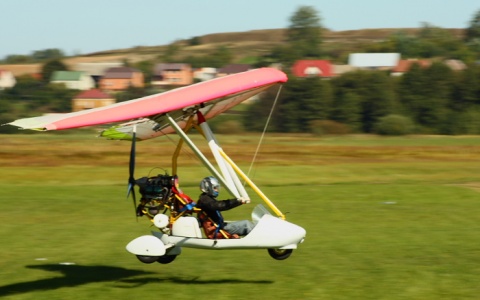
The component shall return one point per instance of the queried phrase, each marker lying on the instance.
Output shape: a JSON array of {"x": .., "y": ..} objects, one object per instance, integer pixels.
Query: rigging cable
[{"x": 264, "y": 130}]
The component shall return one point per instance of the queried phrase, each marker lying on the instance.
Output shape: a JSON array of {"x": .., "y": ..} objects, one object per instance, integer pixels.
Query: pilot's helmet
[{"x": 210, "y": 186}]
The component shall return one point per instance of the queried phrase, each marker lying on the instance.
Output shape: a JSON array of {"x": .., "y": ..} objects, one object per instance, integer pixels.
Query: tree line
[
  {"x": 427, "y": 100},
  {"x": 434, "y": 99}
]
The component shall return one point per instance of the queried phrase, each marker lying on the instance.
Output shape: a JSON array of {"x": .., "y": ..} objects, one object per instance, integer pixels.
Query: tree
[
  {"x": 257, "y": 113},
  {"x": 24, "y": 90},
  {"x": 466, "y": 90},
  {"x": 435, "y": 41},
  {"x": 362, "y": 97},
  {"x": 286, "y": 54},
  {"x": 305, "y": 32},
  {"x": 425, "y": 94},
  {"x": 303, "y": 101},
  {"x": 394, "y": 125},
  {"x": 170, "y": 53},
  {"x": 58, "y": 98},
  {"x": 406, "y": 44},
  {"x": 195, "y": 41},
  {"x": 47, "y": 54},
  {"x": 17, "y": 59},
  {"x": 6, "y": 115},
  {"x": 133, "y": 93},
  {"x": 347, "y": 110},
  {"x": 473, "y": 30},
  {"x": 221, "y": 56},
  {"x": 50, "y": 67},
  {"x": 146, "y": 66},
  {"x": 472, "y": 36}
]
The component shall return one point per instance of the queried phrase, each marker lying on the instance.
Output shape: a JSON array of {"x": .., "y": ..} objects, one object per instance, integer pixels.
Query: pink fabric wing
[{"x": 159, "y": 103}]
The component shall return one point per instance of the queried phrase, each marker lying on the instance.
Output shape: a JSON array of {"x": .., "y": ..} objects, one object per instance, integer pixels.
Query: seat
[{"x": 211, "y": 229}]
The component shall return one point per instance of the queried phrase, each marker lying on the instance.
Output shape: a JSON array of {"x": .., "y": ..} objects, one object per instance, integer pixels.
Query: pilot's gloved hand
[{"x": 243, "y": 200}]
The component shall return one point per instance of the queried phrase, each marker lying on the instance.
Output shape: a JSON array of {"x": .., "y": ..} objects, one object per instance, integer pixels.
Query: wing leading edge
[{"x": 214, "y": 96}]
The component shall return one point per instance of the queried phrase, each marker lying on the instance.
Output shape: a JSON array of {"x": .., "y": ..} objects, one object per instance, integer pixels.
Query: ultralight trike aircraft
[{"x": 178, "y": 221}]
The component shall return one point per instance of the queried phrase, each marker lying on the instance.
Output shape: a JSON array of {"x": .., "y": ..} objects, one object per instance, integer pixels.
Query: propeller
[{"x": 131, "y": 170}]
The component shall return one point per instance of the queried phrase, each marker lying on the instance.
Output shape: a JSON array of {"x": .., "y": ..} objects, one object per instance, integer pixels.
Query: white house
[
  {"x": 73, "y": 80},
  {"x": 7, "y": 80},
  {"x": 204, "y": 74},
  {"x": 382, "y": 61}
]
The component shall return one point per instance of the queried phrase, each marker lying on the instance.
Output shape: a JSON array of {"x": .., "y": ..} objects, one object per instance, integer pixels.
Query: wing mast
[
  {"x": 199, "y": 154},
  {"x": 230, "y": 172}
]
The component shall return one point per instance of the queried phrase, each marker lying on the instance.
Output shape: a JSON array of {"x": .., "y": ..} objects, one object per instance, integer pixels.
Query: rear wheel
[
  {"x": 166, "y": 259},
  {"x": 280, "y": 254},
  {"x": 147, "y": 259}
]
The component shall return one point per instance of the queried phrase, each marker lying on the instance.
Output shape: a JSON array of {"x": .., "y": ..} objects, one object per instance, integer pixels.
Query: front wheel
[
  {"x": 166, "y": 259},
  {"x": 280, "y": 254},
  {"x": 147, "y": 259}
]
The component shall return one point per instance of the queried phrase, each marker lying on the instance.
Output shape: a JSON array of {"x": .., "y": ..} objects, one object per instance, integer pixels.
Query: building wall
[
  {"x": 178, "y": 77},
  {"x": 138, "y": 80},
  {"x": 7, "y": 80},
  {"x": 85, "y": 82},
  {"x": 119, "y": 84},
  {"x": 114, "y": 84},
  {"x": 82, "y": 104}
]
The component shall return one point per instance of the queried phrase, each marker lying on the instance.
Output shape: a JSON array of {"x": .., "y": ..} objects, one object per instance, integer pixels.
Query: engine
[{"x": 156, "y": 194}]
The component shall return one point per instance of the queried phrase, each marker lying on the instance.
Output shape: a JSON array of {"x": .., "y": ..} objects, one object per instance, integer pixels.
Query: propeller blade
[
  {"x": 132, "y": 191},
  {"x": 131, "y": 171},
  {"x": 131, "y": 167}
]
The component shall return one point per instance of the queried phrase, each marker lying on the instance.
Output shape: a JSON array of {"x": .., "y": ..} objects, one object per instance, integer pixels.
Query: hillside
[
  {"x": 255, "y": 42},
  {"x": 242, "y": 44}
]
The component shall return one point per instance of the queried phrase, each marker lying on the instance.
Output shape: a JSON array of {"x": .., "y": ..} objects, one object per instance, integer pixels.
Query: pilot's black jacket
[{"x": 211, "y": 205}]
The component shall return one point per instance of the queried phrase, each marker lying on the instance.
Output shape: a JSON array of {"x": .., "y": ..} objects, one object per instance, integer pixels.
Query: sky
[{"x": 86, "y": 26}]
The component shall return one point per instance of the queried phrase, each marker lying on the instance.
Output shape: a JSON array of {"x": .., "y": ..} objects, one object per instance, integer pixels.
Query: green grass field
[{"x": 386, "y": 218}]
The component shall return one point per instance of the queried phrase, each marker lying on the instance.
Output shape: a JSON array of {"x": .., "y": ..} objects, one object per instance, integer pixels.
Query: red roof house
[
  {"x": 405, "y": 64},
  {"x": 312, "y": 68},
  {"x": 91, "y": 99}
]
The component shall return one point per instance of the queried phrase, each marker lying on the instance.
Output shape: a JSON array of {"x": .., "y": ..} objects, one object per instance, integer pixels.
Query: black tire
[
  {"x": 280, "y": 254},
  {"x": 147, "y": 259},
  {"x": 166, "y": 259}
]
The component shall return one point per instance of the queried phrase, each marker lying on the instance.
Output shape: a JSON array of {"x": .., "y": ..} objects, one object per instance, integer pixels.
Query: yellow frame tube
[
  {"x": 180, "y": 144},
  {"x": 252, "y": 185}
]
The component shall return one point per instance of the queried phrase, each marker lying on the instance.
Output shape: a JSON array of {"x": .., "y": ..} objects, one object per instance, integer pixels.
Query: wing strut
[
  {"x": 200, "y": 155},
  {"x": 228, "y": 173}
]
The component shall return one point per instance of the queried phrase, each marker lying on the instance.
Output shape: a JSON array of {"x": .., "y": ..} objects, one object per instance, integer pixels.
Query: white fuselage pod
[{"x": 269, "y": 232}]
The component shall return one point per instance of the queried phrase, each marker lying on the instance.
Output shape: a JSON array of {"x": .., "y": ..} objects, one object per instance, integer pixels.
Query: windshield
[{"x": 258, "y": 212}]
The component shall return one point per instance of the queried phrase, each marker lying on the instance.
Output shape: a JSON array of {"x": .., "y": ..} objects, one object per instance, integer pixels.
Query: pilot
[{"x": 211, "y": 206}]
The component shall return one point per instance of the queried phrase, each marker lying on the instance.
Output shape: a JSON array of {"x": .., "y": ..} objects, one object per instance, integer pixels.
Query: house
[
  {"x": 374, "y": 61},
  {"x": 91, "y": 99},
  {"x": 204, "y": 74},
  {"x": 33, "y": 70},
  {"x": 233, "y": 69},
  {"x": 338, "y": 70},
  {"x": 73, "y": 80},
  {"x": 312, "y": 68},
  {"x": 455, "y": 64},
  {"x": 121, "y": 78},
  {"x": 405, "y": 64},
  {"x": 97, "y": 69},
  {"x": 7, "y": 80},
  {"x": 172, "y": 74}
]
